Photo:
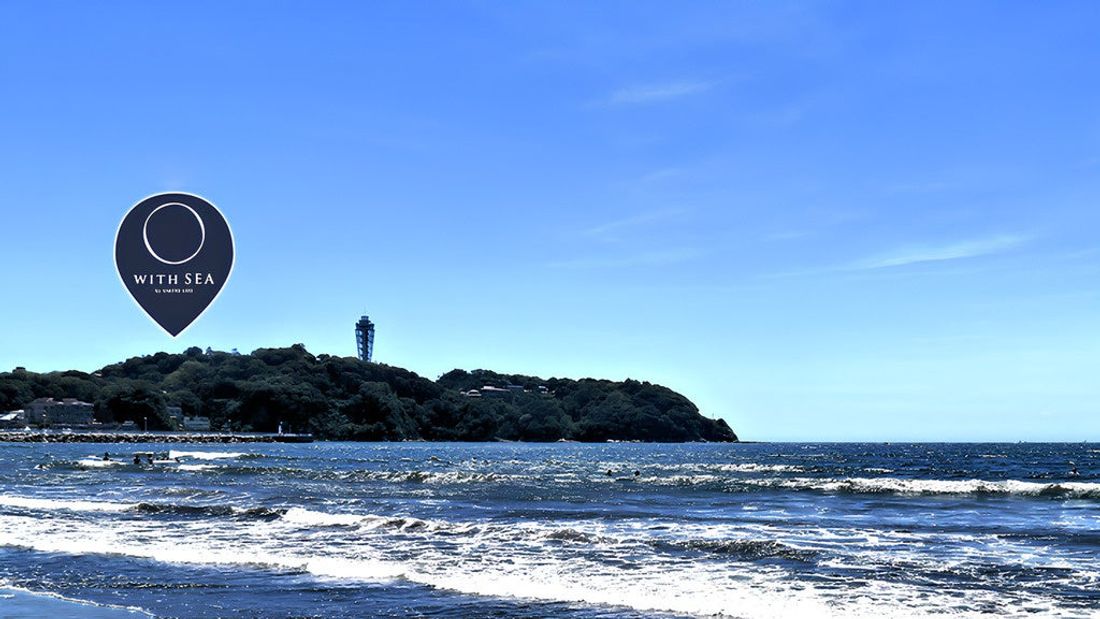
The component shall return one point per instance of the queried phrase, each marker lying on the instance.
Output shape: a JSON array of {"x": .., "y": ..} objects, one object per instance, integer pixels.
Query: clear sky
[{"x": 833, "y": 221}]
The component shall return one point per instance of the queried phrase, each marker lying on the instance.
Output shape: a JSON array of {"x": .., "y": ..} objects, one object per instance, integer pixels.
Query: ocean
[{"x": 587, "y": 531}]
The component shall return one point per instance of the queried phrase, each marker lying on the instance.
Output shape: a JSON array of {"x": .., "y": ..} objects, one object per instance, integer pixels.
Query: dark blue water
[{"x": 568, "y": 530}]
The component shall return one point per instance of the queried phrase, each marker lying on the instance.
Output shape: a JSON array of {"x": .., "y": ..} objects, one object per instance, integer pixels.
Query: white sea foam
[
  {"x": 357, "y": 569},
  {"x": 197, "y": 467},
  {"x": 63, "y": 504},
  {"x": 896, "y": 485},
  {"x": 309, "y": 518},
  {"x": 297, "y": 515},
  {"x": 887, "y": 485},
  {"x": 707, "y": 469},
  {"x": 691, "y": 593},
  {"x": 506, "y": 561},
  {"x": 98, "y": 463},
  {"x": 52, "y": 505},
  {"x": 434, "y": 477},
  {"x": 753, "y": 467},
  {"x": 689, "y": 480},
  {"x": 206, "y": 455}
]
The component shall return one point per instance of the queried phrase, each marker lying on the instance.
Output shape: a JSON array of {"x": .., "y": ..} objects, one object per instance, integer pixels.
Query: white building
[
  {"x": 196, "y": 424},
  {"x": 51, "y": 412},
  {"x": 13, "y": 419}
]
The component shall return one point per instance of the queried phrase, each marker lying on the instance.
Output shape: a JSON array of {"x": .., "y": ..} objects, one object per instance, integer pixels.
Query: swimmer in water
[
  {"x": 106, "y": 457},
  {"x": 137, "y": 459}
]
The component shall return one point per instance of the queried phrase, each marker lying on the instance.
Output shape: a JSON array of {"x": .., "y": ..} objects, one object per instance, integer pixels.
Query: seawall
[{"x": 53, "y": 436}]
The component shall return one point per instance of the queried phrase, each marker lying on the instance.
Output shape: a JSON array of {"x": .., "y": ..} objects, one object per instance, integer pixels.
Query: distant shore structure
[
  {"x": 109, "y": 436},
  {"x": 364, "y": 338},
  {"x": 67, "y": 411}
]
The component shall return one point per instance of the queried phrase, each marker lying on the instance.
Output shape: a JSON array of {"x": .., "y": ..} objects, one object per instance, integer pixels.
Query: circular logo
[{"x": 177, "y": 231}]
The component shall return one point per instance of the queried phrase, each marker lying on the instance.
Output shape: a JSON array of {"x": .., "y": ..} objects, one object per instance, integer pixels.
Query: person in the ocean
[
  {"x": 137, "y": 459},
  {"x": 106, "y": 457},
  {"x": 609, "y": 472},
  {"x": 1073, "y": 472},
  {"x": 637, "y": 474}
]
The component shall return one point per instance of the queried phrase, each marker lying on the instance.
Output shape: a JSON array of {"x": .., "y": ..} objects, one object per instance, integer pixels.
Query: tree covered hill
[{"x": 344, "y": 398}]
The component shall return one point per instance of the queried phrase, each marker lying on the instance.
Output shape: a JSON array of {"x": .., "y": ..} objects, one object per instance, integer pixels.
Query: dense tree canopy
[{"x": 344, "y": 398}]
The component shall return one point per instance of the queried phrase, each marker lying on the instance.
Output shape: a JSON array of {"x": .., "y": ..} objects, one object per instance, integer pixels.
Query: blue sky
[{"x": 820, "y": 221}]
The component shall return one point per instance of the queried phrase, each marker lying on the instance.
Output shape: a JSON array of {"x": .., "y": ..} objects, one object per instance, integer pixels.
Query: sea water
[{"x": 559, "y": 530}]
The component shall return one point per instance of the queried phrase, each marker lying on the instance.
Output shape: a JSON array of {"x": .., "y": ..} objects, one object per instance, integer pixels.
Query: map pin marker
[{"x": 174, "y": 252}]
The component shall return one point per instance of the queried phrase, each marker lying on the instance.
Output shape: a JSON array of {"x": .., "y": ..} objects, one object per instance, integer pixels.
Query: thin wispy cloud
[
  {"x": 788, "y": 235},
  {"x": 941, "y": 253},
  {"x": 611, "y": 230},
  {"x": 660, "y": 258},
  {"x": 919, "y": 187},
  {"x": 653, "y": 93},
  {"x": 782, "y": 116},
  {"x": 913, "y": 255},
  {"x": 660, "y": 175}
]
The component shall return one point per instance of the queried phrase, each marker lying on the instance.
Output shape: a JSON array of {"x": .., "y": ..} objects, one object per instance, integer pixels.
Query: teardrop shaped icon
[{"x": 174, "y": 253}]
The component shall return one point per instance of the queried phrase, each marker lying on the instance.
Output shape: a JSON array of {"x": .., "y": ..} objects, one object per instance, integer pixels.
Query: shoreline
[
  {"x": 50, "y": 436},
  {"x": 106, "y": 436},
  {"x": 20, "y": 603}
]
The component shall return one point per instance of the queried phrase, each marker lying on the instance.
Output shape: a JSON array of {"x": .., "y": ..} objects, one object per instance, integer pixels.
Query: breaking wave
[
  {"x": 211, "y": 455},
  {"x": 215, "y": 511},
  {"x": 746, "y": 549},
  {"x": 174, "y": 509},
  {"x": 696, "y": 590},
  {"x": 63, "y": 504},
  {"x": 294, "y": 515},
  {"x": 899, "y": 486},
  {"x": 885, "y": 485}
]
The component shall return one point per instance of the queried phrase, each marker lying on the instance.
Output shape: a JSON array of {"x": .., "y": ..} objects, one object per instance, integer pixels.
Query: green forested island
[{"x": 343, "y": 398}]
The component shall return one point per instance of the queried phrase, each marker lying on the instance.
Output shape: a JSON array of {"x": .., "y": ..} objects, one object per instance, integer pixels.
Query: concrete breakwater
[{"x": 48, "y": 436}]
